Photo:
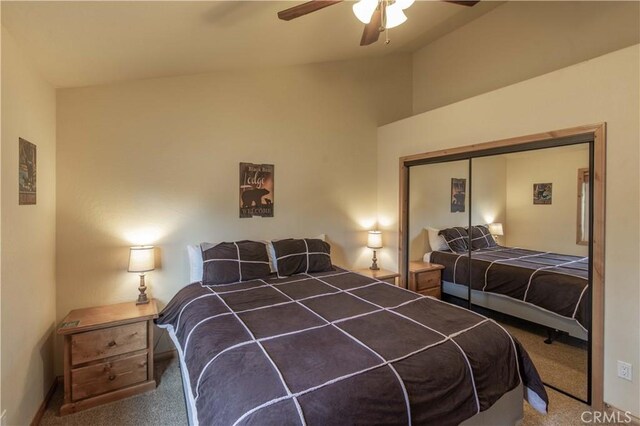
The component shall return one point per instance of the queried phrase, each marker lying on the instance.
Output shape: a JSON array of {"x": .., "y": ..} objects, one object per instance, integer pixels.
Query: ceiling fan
[{"x": 377, "y": 15}]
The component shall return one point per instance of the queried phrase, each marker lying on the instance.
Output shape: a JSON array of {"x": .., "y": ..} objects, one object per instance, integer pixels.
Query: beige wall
[
  {"x": 156, "y": 161},
  {"x": 28, "y": 239},
  {"x": 602, "y": 89},
  {"x": 545, "y": 227},
  {"x": 430, "y": 198},
  {"x": 517, "y": 41}
]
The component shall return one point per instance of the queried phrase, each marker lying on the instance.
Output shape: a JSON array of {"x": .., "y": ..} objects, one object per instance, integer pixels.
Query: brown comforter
[
  {"x": 555, "y": 282},
  {"x": 339, "y": 348}
]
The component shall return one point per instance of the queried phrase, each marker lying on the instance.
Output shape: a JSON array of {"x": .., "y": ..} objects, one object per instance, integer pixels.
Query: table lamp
[
  {"x": 141, "y": 260},
  {"x": 374, "y": 241},
  {"x": 496, "y": 230}
]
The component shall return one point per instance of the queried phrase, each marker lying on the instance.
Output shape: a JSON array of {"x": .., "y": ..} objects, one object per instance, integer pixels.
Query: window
[{"x": 582, "y": 236}]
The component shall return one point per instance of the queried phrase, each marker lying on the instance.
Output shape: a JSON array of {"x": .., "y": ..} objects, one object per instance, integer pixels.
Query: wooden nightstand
[
  {"x": 425, "y": 278},
  {"x": 108, "y": 354},
  {"x": 380, "y": 274}
]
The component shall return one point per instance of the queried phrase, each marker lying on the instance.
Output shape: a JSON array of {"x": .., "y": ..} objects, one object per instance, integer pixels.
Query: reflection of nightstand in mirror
[
  {"x": 380, "y": 274},
  {"x": 425, "y": 278}
]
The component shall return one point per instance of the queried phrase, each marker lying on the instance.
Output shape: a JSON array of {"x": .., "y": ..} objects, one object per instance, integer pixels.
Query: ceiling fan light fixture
[
  {"x": 364, "y": 10},
  {"x": 405, "y": 4},
  {"x": 394, "y": 16}
]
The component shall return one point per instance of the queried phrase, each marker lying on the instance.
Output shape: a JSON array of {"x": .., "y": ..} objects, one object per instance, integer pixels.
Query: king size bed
[{"x": 336, "y": 347}]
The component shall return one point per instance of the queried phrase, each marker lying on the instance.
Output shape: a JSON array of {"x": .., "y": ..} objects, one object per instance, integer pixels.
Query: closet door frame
[{"x": 595, "y": 134}]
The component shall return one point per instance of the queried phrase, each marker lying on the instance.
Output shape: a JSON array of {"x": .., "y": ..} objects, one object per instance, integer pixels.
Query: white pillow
[
  {"x": 437, "y": 242},
  {"x": 195, "y": 263}
]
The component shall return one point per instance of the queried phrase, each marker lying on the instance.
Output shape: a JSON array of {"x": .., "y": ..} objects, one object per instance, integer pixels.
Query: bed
[
  {"x": 341, "y": 348},
  {"x": 546, "y": 288}
]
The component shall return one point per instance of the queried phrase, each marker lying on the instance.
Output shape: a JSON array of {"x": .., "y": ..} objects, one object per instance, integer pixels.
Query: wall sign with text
[
  {"x": 26, "y": 172},
  {"x": 458, "y": 195},
  {"x": 256, "y": 190}
]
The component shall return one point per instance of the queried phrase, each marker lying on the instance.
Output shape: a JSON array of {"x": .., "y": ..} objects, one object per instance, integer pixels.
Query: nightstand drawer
[
  {"x": 100, "y": 378},
  {"x": 433, "y": 292},
  {"x": 106, "y": 342},
  {"x": 427, "y": 280}
]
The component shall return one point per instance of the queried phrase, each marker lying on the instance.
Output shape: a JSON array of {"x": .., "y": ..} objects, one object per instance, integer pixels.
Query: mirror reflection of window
[{"x": 583, "y": 207}]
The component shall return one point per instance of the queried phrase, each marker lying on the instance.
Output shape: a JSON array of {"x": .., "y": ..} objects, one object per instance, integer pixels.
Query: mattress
[
  {"x": 553, "y": 282},
  {"x": 339, "y": 348}
]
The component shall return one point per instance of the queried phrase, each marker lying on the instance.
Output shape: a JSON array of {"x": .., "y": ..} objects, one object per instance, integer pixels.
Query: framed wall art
[
  {"x": 542, "y": 193},
  {"x": 27, "y": 172},
  {"x": 458, "y": 195},
  {"x": 256, "y": 190}
]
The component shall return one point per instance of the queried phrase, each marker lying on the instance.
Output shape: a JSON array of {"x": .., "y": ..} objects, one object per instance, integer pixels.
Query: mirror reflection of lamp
[
  {"x": 495, "y": 229},
  {"x": 374, "y": 241},
  {"x": 142, "y": 260}
]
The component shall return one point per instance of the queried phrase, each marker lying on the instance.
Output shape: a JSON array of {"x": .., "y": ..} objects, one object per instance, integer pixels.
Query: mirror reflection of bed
[{"x": 529, "y": 268}]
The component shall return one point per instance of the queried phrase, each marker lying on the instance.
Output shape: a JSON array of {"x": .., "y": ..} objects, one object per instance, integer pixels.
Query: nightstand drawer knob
[
  {"x": 112, "y": 377},
  {"x": 112, "y": 343}
]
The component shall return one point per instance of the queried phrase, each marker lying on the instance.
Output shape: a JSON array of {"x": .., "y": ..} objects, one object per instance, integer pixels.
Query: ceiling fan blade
[
  {"x": 463, "y": 2},
  {"x": 305, "y": 8},
  {"x": 372, "y": 29}
]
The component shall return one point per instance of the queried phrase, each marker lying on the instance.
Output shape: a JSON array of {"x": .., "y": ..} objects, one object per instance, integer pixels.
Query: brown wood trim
[
  {"x": 598, "y": 131},
  {"x": 45, "y": 403},
  {"x": 597, "y": 279},
  {"x": 166, "y": 355},
  {"x": 404, "y": 195},
  {"x": 510, "y": 142}
]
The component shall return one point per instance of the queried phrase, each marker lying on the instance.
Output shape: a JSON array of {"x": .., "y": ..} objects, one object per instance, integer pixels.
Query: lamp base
[
  {"x": 374, "y": 262},
  {"x": 142, "y": 297}
]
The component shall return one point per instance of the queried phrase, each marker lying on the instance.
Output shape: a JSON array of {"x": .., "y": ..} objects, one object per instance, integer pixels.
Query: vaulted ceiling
[{"x": 87, "y": 43}]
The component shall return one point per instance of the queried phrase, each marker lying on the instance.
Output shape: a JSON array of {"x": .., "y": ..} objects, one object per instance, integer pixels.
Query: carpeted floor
[
  {"x": 165, "y": 407},
  {"x": 562, "y": 364}
]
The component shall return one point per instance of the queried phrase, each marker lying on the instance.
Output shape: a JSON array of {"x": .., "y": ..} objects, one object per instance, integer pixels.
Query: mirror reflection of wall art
[
  {"x": 26, "y": 172},
  {"x": 542, "y": 193},
  {"x": 458, "y": 195},
  {"x": 256, "y": 190}
]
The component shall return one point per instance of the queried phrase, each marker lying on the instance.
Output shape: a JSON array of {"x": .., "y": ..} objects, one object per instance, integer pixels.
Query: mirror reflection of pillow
[
  {"x": 456, "y": 239},
  {"x": 437, "y": 242}
]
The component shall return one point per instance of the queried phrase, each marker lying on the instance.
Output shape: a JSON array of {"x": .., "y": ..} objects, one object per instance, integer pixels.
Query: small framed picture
[
  {"x": 26, "y": 172},
  {"x": 256, "y": 190},
  {"x": 542, "y": 193},
  {"x": 458, "y": 195}
]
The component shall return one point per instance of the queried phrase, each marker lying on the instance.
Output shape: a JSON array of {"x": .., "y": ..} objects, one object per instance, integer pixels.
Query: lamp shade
[
  {"x": 496, "y": 229},
  {"x": 374, "y": 241},
  {"x": 394, "y": 16},
  {"x": 141, "y": 259},
  {"x": 364, "y": 10}
]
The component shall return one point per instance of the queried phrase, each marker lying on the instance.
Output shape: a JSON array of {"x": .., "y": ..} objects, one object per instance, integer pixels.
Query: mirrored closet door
[
  {"x": 530, "y": 266},
  {"x": 506, "y": 233}
]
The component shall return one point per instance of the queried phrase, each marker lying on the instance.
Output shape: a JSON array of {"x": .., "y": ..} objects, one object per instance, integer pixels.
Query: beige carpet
[
  {"x": 562, "y": 364},
  {"x": 165, "y": 406}
]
